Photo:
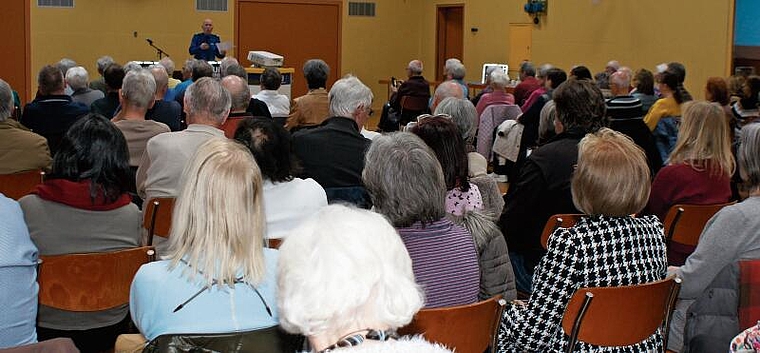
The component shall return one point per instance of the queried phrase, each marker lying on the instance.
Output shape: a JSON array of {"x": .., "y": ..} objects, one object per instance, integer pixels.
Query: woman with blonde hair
[
  {"x": 699, "y": 168},
  {"x": 217, "y": 277},
  {"x": 606, "y": 248}
]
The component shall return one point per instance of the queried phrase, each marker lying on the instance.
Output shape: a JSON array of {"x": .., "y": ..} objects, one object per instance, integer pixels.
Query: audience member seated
[
  {"x": 708, "y": 300},
  {"x": 312, "y": 108},
  {"x": 168, "y": 64},
  {"x": 454, "y": 71},
  {"x": 83, "y": 207},
  {"x": 18, "y": 274},
  {"x": 20, "y": 149},
  {"x": 581, "y": 72},
  {"x": 644, "y": 89},
  {"x": 106, "y": 106},
  {"x": 255, "y": 106},
  {"x": 77, "y": 79},
  {"x": 333, "y": 153},
  {"x": 624, "y": 112},
  {"x": 542, "y": 188},
  {"x": 136, "y": 95},
  {"x": 217, "y": 277},
  {"x": 414, "y": 86},
  {"x": 200, "y": 69},
  {"x": 445, "y": 90},
  {"x": 607, "y": 248},
  {"x": 167, "y": 112},
  {"x": 680, "y": 72},
  {"x": 442, "y": 136},
  {"x": 699, "y": 168},
  {"x": 102, "y": 63},
  {"x": 746, "y": 109},
  {"x": 354, "y": 289},
  {"x": 52, "y": 112},
  {"x": 528, "y": 83},
  {"x": 464, "y": 115},
  {"x": 278, "y": 104},
  {"x": 187, "y": 80},
  {"x": 407, "y": 186},
  {"x": 670, "y": 103},
  {"x": 64, "y": 65},
  {"x": 716, "y": 90},
  {"x": 287, "y": 200},
  {"x": 498, "y": 95},
  {"x": 207, "y": 104},
  {"x": 240, "y": 94},
  {"x": 541, "y": 78}
]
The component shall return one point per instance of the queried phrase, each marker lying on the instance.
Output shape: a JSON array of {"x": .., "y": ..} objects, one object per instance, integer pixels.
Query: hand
[
  {"x": 394, "y": 88},
  {"x": 204, "y": 46}
]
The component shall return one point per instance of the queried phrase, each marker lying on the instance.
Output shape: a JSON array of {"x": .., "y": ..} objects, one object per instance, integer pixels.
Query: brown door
[
  {"x": 520, "y": 42},
  {"x": 449, "y": 36},
  {"x": 297, "y": 30},
  {"x": 15, "y": 69}
]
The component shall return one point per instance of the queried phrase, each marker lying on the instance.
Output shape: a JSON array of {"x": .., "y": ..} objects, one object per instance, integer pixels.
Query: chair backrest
[
  {"x": 230, "y": 125},
  {"x": 90, "y": 282},
  {"x": 266, "y": 340},
  {"x": 620, "y": 316},
  {"x": 274, "y": 243},
  {"x": 749, "y": 293},
  {"x": 157, "y": 217},
  {"x": 491, "y": 117},
  {"x": 684, "y": 223},
  {"x": 414, "y": 103},
  {"x": 467, "y": 328},
  {"x": 556, "y": 221},
  {"x": 18, "y": 185}
]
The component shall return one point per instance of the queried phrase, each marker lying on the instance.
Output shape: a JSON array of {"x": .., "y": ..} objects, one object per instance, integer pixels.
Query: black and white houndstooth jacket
[{"x": 599, "y": 251}]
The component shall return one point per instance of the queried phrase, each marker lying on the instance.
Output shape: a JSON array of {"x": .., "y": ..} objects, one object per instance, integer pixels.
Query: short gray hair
[
  {"x": 160, "y": 75},
  {"x": 347, "y": 95},
  {"x": 188, "y": 67},
  {"x": 316, "y": 72},
  {"x": 391, "y": 162},
  {"x": 132, "y": 65},
  {"x": 449, "y": 64},
  {"x": 749, "y": 155},
  {"x": 103, "y": 62},
  {"x": 464, "y": 115},
  {"x": 457, "y": 71},
  {"x": 499, "y": 79},
  {"x": 226, "y": 63},
  {"x": 415, "y": 67},
  {"x": 77, "y": 77},
  {"x": 240, "y": 93},
  {"x": 168, "y": 65},
  {"x": 314, "y": 296},
  {"x": 527, "y": 68},
  {"x": 207, "y": 97},
  {"x": 139, "y": 88},
  {"x": 6, "y": 100},
  {"x": 65, "y": 64},
  {"x": 621, "y": 79},
  {"x": 544, "y": 69}
]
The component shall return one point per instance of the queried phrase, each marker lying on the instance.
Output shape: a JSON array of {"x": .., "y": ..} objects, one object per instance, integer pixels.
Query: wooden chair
[
  {"x": 90, "y": 282},
  {"x": 556, "y": 221},
  {"x": 157, "y": 217},
  {"x": 620, "y": 316},
  {"x": 274, "y": 243},
  {"x": 684, "y": 223},
  {"x": 18, "y": 185},
  {"x": 468, "y": 328},
  {"x": 230, "y": 125}
]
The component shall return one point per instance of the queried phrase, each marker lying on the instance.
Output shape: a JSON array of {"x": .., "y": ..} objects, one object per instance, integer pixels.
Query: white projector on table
[{"x": 265, "y": 58}]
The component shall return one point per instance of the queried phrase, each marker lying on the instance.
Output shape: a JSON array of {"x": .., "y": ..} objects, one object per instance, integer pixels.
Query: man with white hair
[
  {"x": 102, "y": 63},
  {"x": 136, "y": 96},
  {"x": 498, "y": 94},
  {"x": 612, "y": 67},
  {"x": 20, "y": 149},
  {"x": 207, "y": 105},
  {"x": 77, "y": 79},
  {"x": 445, "y": 90},
  {"x": 64, "y": 65},
  {"x": 333, "y": 153}
]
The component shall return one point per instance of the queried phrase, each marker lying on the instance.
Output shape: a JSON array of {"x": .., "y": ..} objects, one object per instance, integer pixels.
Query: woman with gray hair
[
  {"x": 499, "y": 94},
  {"x": 708, "y": 296},
  {"x": 346, "y": 282},
  {"x": 407, "y": 186}
]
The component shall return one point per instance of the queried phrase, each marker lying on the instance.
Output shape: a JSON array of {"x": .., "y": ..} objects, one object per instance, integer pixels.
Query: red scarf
[{"x": 77, "y": 194}]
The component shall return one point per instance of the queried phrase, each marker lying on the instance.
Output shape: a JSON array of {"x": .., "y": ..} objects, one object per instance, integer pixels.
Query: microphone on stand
[{"x": 149, "y": 41}]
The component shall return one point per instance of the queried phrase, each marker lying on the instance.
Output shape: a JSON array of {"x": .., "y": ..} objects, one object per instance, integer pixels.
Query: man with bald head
[
  {"x": 240, "y": 94},
  {"x": 167, "y": 112},
  {"x": 445, "y": 90},
  {"x": 203, "y": 46}
]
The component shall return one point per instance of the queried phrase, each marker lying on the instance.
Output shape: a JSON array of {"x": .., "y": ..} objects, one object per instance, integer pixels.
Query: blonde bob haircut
[
  {"x": 704, "y": 136},
  {"x": 345, "y": 268},
  {"x": 612, "y": 177},
  {"x": 218, "y": 219}
]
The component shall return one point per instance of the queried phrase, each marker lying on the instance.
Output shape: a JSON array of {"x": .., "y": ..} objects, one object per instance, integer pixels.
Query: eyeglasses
[{"x": 422, "y": 117}]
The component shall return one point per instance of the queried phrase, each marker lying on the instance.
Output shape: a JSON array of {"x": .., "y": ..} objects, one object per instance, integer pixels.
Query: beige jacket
[{"x": 21, "y": 149}]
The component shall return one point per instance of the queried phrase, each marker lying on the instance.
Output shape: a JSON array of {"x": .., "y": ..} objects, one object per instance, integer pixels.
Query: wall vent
[
  {"x": 366, "y": 9},
  {"x": 211, "y": 5},
  {"x": 55, "y": 3}
]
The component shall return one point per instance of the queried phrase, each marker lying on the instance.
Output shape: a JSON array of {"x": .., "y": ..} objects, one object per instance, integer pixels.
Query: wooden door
[
  {"x": 298, "y": 30},
  {"x": 16, "y": 66},
  {"x": 520, "y": 42},
  {"x": 449, "y": 36}
]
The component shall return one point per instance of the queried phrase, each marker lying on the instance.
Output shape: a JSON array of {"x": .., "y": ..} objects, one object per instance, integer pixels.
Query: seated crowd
[{"x": 415, "y": 222}]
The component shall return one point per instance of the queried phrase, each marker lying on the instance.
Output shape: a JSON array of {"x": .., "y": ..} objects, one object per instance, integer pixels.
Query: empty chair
[
  {"x": 555, "y": 222},
  {"x": 684, "y": 225},
  {"x": 467, "y": 328},
  {"x": 17, "y": 185},
  {"x": 619, "y": 316}
]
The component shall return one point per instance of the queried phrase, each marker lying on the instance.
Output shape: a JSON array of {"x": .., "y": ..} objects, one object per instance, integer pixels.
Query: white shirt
[
  {"x": 278, "y": 104},
  {"x": 288, "y": 203},
  {"x": 369, "y": 134}
]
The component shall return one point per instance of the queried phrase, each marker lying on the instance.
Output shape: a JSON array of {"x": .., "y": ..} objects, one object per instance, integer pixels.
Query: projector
[{"x": 265, "y": 58}]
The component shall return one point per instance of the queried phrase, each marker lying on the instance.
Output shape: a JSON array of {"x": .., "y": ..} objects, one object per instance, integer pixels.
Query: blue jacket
[{"x": 209, "y": 54}]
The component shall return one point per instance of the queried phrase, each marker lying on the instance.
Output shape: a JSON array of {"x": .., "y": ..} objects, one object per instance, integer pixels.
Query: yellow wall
[{"x": 106, "y": 27}]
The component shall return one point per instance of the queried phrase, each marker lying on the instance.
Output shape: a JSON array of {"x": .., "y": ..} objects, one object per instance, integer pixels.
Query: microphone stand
[{"x": 159, "y": 51}]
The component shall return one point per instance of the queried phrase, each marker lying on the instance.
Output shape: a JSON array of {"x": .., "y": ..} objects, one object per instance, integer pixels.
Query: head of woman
[
  {"x": 218, "y": 219},
  {"x": 463, "y": 114},
  {"x": 644, "y": 82},
  {"x": 345, "y": 270},
  {"x": 270, "y": 145},
  {"x": 580, "y": 105},
  {"x": 404, "y": 180},
  {"x": 94, "y": 149},
  {"x": 748, "y": 154},
  {"x": 750, "y": 92},
  {"x": 716, "y": 90},
  {"x": 581, "y": 72},
  {"x": 704, "y": 136},
  {"x": 669, "y": 85},
  {"x": 612, "y": 177},
  {"x": 444, "y": 139}
]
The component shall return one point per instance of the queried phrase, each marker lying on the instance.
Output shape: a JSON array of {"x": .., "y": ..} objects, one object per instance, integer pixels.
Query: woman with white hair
[
  {"x": 499, "y": 95},
  {"x": 346, "y": 283},
  {"x": 217, "y": 277}
]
